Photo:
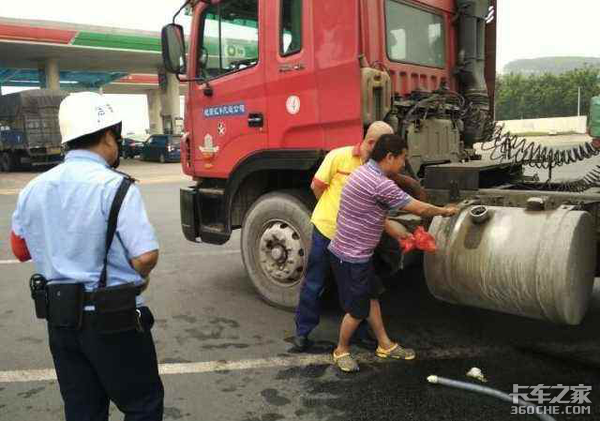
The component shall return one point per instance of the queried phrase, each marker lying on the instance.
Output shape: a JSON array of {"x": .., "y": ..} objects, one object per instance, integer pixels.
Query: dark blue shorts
[{"x": 357, "y": 286}]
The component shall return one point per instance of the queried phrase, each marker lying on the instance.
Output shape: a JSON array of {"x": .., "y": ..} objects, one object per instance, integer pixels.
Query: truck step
[
  {"x": 211, "y": 192},
  {"x": 214, "y": 233},
  {"x": 213, "y": 228}
]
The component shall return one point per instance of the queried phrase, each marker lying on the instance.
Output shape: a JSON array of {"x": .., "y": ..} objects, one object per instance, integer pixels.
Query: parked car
[
  {"x": 162, "y": 148},
  {"x": 131, "y": 148}
]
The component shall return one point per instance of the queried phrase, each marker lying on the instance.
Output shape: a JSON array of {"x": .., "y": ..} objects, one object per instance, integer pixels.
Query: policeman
[{"x": 60, "y": 222}]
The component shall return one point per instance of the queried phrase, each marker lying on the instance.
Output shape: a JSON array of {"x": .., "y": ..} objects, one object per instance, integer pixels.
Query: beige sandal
[
  {"x": 345, "y": 362},
  {"x": 396, "y": 352}
]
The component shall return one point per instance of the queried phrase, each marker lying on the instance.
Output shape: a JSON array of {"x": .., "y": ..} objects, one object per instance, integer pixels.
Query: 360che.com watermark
[{"x": 552, "y": 400}]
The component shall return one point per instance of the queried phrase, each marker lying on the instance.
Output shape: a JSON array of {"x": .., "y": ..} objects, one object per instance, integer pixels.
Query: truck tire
[
  {"x": 275, "y": 243},
  {"x": 7, "y": 163}
]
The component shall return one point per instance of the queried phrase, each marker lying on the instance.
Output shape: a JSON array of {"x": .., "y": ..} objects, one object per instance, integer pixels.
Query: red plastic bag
[
  {"x": 424, "y": 240},
  {"x": 420, "y": 240},
  {"x": 408, "y": 244}
]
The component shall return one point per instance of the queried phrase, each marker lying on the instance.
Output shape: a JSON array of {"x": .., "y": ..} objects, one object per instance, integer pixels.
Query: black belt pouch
[
  {"x": 65, "y": 305},
  {"x": 115, "y": 309}
]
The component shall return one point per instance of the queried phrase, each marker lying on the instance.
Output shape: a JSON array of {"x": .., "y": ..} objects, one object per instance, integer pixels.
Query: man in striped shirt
[
  {"x": 368, "y": 196},
  {"x": 327, "y": 186}
]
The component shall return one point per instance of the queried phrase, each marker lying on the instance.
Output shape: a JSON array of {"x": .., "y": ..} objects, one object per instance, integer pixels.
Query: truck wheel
[
  {"x": 6, "y": 162},
  {"x": 276, "y": 238}
]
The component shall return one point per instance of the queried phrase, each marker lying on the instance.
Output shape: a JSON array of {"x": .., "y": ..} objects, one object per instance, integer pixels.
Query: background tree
[{"x": 545, "y": 95}]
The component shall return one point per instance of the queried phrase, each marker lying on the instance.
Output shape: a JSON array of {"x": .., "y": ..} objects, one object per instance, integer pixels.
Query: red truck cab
[{"x": 274, "y": 85}]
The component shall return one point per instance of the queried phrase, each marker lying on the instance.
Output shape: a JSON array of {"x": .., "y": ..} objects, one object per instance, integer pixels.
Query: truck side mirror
[{"x": 173, "y": 49}]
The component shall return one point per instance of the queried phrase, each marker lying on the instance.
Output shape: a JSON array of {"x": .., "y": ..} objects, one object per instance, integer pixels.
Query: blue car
[
  {"x": 131, "y": 148},
  {"x": 162, "y": 148}
]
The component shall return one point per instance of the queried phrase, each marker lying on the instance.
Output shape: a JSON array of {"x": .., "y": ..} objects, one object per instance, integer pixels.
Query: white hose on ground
[{"x": 486, "y": 391}]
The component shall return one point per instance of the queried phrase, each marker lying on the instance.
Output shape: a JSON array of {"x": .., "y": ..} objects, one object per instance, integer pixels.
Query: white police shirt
[{"x": 63, "y": 217}]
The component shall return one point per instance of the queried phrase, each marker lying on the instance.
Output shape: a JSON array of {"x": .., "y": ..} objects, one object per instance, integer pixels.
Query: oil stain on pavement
[
  {"x": 399, "y": 391},
  {"x": 273, "y": 398},
  {"x": 31, "y": 392}
]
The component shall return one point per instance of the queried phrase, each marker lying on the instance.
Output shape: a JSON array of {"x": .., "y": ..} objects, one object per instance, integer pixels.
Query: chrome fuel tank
[{"x": 532, "y": 263}]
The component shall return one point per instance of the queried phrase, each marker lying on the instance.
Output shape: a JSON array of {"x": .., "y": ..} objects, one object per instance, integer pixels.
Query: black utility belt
[
  {"x": 63, "y": 305},
  {"x": 90, "y": 297}
]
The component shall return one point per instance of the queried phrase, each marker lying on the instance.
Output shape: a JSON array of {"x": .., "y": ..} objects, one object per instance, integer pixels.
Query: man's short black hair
[
  {"x": 88, "y": 141},
  {"x": 388, "y": 143}
]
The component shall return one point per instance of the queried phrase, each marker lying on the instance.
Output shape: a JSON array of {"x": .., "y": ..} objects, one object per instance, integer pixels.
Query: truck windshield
[
  {"x": 414, "y": 35},
  {"x": 230, "y": 36}
]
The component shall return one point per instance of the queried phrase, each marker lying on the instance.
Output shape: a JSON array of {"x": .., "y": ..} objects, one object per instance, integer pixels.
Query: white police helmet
[{"x": 84, "y": 113}]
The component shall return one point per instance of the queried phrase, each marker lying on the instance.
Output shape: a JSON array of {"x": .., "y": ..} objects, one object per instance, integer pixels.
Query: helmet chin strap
[
  {"x": 117, "y": 161},
  {"x": 116, "y": 164},
  {"x": 119, "y": 140}
]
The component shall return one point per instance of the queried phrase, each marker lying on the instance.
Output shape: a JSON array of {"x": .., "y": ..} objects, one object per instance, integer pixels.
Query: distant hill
[{"x": 554, "y": 65}]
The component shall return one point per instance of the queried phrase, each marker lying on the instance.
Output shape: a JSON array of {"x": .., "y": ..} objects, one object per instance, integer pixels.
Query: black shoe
[
  {"x": 301, "y": 343},
  {"x": 367, "y": 343}
]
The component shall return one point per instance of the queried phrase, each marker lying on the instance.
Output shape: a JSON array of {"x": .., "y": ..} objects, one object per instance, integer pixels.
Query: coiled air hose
[{"x": 518, "y": 150}]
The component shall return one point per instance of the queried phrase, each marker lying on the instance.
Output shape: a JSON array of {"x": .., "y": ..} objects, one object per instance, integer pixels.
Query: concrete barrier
[{"x": 547, "y": 125}]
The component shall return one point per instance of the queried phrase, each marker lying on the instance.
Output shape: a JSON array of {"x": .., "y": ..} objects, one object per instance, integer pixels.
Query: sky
[{"x": 527, "y": 29}]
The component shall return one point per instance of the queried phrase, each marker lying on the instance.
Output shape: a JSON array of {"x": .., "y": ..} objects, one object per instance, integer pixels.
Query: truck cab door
[
  {"x": 291, "y": 80},
  {"x": 229, "y": 122}
]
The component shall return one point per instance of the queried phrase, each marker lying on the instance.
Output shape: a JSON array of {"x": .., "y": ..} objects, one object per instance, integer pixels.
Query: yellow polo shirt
[{"x": 332, "y": 174}]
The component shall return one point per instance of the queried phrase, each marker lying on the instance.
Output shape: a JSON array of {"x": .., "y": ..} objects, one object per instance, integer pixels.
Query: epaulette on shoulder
[{"x": 127, "y": 176}]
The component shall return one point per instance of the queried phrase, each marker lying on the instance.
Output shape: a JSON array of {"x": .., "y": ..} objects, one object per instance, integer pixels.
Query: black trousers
[{"x": 94, "y": 369}]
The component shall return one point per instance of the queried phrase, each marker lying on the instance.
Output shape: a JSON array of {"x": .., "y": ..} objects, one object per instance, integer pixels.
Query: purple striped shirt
[{"x": 366, "y": 199}]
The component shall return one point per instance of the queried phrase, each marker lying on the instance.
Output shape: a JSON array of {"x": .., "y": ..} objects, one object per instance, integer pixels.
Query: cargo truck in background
[
  {"x": 273, "y": 85},
  {"x": 29, "y": 131}
]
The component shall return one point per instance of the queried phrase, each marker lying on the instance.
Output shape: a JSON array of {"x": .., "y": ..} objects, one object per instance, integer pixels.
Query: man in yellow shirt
[{"x": 327, "y": 186}]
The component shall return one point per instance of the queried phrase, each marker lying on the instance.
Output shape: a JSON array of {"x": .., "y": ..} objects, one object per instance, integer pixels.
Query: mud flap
[{"x": 190, "y": 213}]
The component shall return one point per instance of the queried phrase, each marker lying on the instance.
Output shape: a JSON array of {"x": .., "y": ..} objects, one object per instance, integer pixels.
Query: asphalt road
[{"x": 225, "y": 353}]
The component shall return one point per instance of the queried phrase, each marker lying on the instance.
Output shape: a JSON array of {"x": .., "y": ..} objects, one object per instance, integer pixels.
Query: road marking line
[
  {"x": 210, "y": 253},
  {"x": 9, "y": 192},
  {"x": 212, "y": 366},
  {"x": 20, "y": 376},
  {"x": 162, "y": 180},
  {"x": 199, "y": 253}
]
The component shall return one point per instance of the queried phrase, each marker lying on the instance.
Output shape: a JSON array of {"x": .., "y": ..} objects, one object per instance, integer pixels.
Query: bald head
[{"x": 375, "y": 131}]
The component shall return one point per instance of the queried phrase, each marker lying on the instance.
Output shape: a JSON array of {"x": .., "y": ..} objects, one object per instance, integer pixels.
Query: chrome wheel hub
[{"x": 281, "y": 252}]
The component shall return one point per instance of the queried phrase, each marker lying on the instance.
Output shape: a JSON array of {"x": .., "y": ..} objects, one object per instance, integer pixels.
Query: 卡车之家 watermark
[{"x": 552, "y": 400}]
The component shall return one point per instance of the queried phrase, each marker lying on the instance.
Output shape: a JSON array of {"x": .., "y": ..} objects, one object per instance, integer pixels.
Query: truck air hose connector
[
  {"x": 410, "y": 116},
  {"x": 487, "y": 391},
  {"x": 443, "y": 101}
]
